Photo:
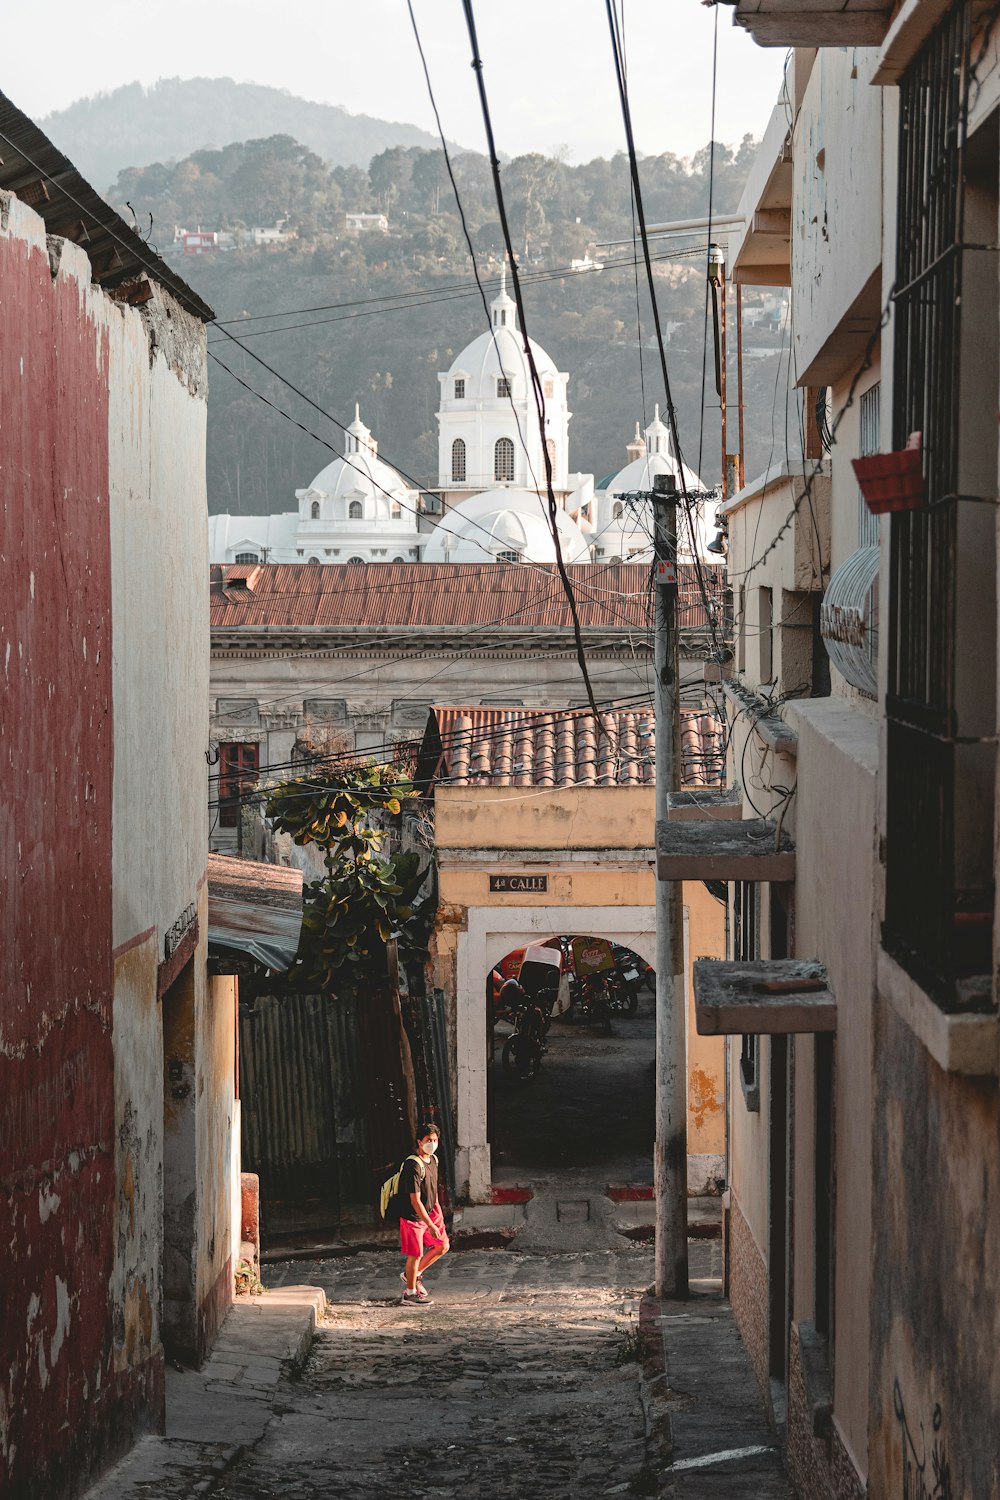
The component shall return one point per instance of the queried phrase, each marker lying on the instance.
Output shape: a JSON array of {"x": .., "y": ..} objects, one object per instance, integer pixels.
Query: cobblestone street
[{"x": 512, "y": 1383}]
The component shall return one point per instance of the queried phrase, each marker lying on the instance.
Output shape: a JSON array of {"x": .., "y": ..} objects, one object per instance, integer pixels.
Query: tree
[{"x": 366, "y": 898}]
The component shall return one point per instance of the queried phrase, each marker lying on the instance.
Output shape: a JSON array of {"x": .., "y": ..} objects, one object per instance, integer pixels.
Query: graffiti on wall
[{"x": 926, "y": 1476}]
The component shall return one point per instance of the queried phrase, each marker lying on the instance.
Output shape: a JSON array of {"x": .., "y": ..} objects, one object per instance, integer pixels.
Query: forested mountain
[
  {"x": 374, "y": 317},
  {"x": 176, "y": 116}
]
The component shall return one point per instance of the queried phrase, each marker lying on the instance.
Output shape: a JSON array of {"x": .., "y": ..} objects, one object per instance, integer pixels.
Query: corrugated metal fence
[{"x": 324, "y": 1100}]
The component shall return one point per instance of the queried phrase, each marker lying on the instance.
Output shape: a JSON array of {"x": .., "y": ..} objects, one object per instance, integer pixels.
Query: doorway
[
  {"x": 590, "y": 1105},
  {"x": 180, "y": 1304}
]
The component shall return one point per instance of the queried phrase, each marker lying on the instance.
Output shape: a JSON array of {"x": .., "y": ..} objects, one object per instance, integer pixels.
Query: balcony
[
  {"x": 814, "y": 23},
  {"x": 765, "y": 997},
  {"x": 724, "y": 849}
]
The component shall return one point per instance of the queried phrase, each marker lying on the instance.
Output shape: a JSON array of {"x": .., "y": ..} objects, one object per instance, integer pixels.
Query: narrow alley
[{"x": 540, "y": 1373}]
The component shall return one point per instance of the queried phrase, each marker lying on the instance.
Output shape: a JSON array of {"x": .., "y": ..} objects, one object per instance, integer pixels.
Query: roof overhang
[
  {"x": 760, "y": 252},
  {"x": 39, "y": 175},
  {"x": 254, "y": 915},
  {"x": 768, "y": 997},
  {"x": 846, "y": 346},
  {"x": 722, "y": 849},
  {"x": 814, "y": 23}
]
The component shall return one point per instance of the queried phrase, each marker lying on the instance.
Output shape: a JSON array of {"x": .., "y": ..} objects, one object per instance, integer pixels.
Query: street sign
[{"x": 519, "y": 882}]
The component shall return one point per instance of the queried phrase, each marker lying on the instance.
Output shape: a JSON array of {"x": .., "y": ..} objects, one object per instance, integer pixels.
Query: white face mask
[{"x": 429, "y": 1147}]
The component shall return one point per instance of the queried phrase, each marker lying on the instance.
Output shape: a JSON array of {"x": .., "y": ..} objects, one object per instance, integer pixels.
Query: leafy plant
[
  {"x": 247, "y": 1282},
  {"x": 367, "y": 896}
]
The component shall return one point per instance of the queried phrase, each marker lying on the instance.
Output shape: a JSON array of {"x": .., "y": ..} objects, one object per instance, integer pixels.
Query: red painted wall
[{"x": 59, "y": 1404}]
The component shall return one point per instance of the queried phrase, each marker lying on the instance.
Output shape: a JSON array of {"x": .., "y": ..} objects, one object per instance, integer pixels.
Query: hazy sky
[{"x": 548, "y": 64}]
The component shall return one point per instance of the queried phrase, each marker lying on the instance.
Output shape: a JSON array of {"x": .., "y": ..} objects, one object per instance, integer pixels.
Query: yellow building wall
[{"x": 614, "y": 826}]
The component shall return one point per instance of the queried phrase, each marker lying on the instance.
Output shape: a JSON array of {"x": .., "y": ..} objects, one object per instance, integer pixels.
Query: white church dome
[
  {"x": 499, "y": 354},
  {"x": 623, "y": 528},
  {"x": 358, "y": 479},
  {"x": 506, "y": 525},
  {"x": 488, "y": 428}
]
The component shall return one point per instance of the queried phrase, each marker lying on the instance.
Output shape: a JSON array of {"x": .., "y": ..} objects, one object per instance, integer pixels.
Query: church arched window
[
  {"x": 355, "y": 511},
  {"x": 503, "y": 460},
  {"x": 397, "y": 511},
  {"x": 549, "y": 389},
  {"x": 355, "y": 559},
  {"x": 314, "y": 559},
  {"x": 503, "y": 387},
  {"x": 617, "y": 511},
  {"x": 314, "y": 510},
  {"x": 550, "y": 449},
  {"x": 460, "y": 390},
  {"x": 458, "y": 459},
  {"x": 246, "y": 557}
]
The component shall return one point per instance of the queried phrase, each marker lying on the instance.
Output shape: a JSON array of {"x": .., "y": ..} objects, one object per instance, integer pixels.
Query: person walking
[{"x": 423, "y": 1238}]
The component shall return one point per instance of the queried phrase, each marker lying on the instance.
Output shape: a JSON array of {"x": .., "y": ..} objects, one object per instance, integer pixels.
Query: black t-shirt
[{"x": 409, "y": 1182}]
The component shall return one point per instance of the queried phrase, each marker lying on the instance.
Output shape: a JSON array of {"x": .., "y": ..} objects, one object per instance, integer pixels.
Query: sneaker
[
  {"x": 420, "y": 1285},
  {"x": 415, "y": 1299}
]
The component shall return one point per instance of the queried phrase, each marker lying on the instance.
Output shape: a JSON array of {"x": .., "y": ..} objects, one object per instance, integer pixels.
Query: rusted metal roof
[
  {"x": 503, "y": 595},
  {"x": 39, "y": 175},
  {"x": 562, "y": 747},
  {"x": 254, "y": 909}
]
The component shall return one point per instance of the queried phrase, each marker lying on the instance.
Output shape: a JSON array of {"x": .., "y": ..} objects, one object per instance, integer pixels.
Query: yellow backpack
[{"x": 389, "y": 1206}]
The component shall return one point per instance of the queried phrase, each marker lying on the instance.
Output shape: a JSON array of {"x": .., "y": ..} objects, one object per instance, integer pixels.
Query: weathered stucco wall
[
  {"x": 104, "y": 640},
  {"x": 57, "y": 1384},
  {"x": 159, "y": 541},
  {"x": 838, "y": 761},
  {"x": 935, "y": 1336},
  {"x": 601, "y": 817},
  {"x": 837, "y": 196}
]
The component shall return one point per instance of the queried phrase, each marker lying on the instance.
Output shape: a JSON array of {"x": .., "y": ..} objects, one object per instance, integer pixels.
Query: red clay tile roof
[
  {"x": 351, "y": 595},
  {"x": 563, "y": 747}
]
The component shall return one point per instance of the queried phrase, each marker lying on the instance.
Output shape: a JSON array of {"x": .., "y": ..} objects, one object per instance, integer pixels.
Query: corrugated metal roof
[
  {"x": 500, "y": 594},
  {"x": 254, "y": 908},
  {"x": 34, "y": 170},
  {"x": 563, "y": 747}
]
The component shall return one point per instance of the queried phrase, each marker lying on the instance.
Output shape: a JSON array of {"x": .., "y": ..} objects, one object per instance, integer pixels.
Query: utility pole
[{"x": 670, "y": 1148}]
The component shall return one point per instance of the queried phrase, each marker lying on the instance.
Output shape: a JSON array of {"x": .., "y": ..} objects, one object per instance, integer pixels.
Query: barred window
[
  {"x": 503, "y": 460},
  {"x": 458, "y": 459},
  {"x": 355, "y": 510}
]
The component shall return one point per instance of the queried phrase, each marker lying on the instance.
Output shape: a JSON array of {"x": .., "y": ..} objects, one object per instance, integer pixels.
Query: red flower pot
[{"x": 892, "y": 481}]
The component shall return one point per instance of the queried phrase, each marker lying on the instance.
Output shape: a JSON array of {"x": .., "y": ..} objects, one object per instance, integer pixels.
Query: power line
[{"x": 477, "y": 64}]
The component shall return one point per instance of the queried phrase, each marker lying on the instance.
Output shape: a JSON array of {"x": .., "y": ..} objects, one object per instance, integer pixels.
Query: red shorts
[{"x": 415, "y": 1238}]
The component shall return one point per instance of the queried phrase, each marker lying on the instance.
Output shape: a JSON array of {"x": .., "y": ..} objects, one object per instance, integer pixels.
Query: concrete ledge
[
  {"x": 769, "y": 997},
  {"x": 964, "y": 1042},
  {"x": 722, "y": 849}
]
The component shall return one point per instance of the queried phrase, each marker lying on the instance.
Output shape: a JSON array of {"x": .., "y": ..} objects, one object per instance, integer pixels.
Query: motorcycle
[
  {"x": 623, "y": 990},
  {"x": 591, "y": 1002},
  {"x": 523, "y": 1049}
]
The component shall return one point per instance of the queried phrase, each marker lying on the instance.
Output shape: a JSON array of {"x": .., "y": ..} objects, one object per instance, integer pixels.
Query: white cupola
[{"x": 488, "y": 428}]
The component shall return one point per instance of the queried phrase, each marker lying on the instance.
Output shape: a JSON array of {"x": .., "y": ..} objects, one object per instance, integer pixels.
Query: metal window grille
[
  {"x": 869, "y": 441},
  {"x": 920, "y": 884},
  {"x": 458, "y": 457},
  {"x": 746, "y": 948},
  {"x": 247, "y": 557},
  {"x": 503, "y": 460}
]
